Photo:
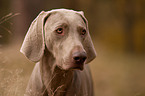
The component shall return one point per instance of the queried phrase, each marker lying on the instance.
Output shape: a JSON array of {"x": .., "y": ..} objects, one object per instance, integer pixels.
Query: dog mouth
[
  {"x": 72, "y": 66},
  {"x": 78, "y": 67}
]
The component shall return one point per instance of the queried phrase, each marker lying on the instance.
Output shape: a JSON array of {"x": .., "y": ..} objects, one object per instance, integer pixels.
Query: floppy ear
[
  {"x": 88, "y": 44},
  {"x": 33, "y": 44}
]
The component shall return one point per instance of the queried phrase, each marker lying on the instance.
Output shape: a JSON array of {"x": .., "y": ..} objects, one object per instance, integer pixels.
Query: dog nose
[{"x": 79, "y": 57}]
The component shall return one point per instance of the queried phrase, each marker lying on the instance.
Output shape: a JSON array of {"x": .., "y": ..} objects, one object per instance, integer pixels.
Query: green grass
[{"x": 115, "y": 73}]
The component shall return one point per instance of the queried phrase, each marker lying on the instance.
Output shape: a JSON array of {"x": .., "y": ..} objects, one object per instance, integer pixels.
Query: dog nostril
[
  {"x": 84, "y": 58},
  {"x": 77, "y": 58}
]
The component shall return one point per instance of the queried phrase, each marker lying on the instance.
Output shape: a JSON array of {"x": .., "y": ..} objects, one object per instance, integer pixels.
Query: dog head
[{"x": 66, "y": 36}]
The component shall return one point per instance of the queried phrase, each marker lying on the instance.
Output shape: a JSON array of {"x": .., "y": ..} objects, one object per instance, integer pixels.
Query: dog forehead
[{"x": 66, "y": 16}]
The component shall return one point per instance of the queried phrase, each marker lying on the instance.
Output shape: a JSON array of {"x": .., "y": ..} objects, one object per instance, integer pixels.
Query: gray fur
[{"x": 53, "y": 74}]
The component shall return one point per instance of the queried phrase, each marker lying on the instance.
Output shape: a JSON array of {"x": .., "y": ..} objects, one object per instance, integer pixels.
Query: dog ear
[
  {"x": 34, "y": 44},
  {"x": 88, "y": 44}
]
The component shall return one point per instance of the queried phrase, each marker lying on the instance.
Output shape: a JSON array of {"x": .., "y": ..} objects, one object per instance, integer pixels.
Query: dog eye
[
  {"x": 83, "y": 32},
  {"x": 59, "y": 30}
]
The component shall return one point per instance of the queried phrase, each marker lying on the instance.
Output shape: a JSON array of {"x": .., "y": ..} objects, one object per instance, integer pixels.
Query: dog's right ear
[{"x": 34, "y": 44}]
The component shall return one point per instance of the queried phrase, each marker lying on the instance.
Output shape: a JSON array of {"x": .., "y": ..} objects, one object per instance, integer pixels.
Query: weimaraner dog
[{"x": 60, "y": 43}]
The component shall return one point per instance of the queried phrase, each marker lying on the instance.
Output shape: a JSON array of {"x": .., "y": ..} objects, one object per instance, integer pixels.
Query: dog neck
[{"x": 55, "y": 80}]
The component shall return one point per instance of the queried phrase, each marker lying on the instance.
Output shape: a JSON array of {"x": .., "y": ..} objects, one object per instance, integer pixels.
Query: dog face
[{"x": 66, "y": 36}]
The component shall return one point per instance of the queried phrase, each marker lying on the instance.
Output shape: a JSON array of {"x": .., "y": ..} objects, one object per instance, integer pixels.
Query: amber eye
[
  {"x": 83, "y": 32},
  {"x": 59, "y": 31}
]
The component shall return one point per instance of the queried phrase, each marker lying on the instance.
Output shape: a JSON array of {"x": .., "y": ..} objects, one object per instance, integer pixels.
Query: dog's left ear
[
  {"x": 88, "y": 44},
  {"x": 33, "y": 44}
]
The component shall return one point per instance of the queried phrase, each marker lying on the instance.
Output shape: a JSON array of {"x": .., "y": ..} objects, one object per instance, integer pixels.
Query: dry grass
[
  {"x": 15, "y": 70},
  {"x": 11, "y": 84},
  {"x": 6, "y": 18},
  {"x": 114, "y": 73}
]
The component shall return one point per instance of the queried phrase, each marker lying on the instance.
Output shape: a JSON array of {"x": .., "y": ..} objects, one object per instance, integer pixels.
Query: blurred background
[{"x": 117, "y": 28}]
